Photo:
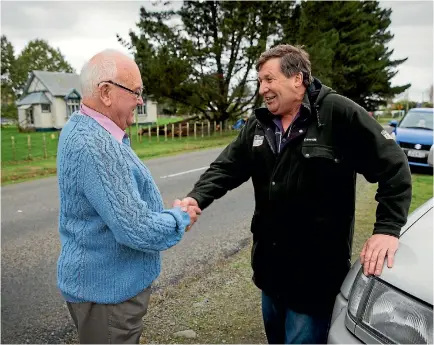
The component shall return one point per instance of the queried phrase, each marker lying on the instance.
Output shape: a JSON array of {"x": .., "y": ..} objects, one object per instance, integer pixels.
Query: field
[{"x": 19, "y": 163}]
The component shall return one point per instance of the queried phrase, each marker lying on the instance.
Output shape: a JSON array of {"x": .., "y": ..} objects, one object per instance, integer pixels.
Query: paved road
[{"x": 32, "y": 309}]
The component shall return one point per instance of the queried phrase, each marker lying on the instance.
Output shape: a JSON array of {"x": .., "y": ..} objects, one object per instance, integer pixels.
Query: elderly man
[
  {"x": 303, "y": 152},
  {"x": 112, "y": 222}
]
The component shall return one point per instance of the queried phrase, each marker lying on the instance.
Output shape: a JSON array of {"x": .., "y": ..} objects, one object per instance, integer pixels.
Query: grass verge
[
  {"x": 385, "y": 120},
  {"x": 221, "y": 305}
]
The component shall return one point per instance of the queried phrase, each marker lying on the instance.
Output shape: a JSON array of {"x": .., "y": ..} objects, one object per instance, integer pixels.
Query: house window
[
  {"x": 72, "y": 105},
  {"x": 46, "y": 108},
  {"x": 141, "y": 110}
]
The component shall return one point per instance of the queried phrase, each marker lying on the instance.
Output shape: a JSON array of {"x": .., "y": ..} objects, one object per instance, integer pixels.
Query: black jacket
[{"x": 305, "y": 196}]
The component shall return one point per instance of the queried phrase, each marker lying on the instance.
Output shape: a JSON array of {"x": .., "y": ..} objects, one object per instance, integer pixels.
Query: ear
[
  {"x": 298, "y": 79},
  {"x": 105, "y": 94}
]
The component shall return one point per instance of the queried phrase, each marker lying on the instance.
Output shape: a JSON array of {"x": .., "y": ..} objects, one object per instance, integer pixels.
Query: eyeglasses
[{"x": 138, "y": 94}]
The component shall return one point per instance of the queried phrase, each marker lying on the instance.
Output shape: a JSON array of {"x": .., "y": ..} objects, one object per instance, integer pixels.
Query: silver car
[{"x": 397, "y": 307}]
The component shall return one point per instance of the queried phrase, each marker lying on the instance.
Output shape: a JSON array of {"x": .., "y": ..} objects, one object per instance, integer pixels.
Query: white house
[{"x": 50, "y": 98}]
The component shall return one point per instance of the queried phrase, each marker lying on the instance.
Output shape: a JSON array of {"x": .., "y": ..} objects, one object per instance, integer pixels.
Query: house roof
[
  {"x": 34, "y": 98},
  {"x": 58, "y": 83},
  {"x": 73, "y": 93}
]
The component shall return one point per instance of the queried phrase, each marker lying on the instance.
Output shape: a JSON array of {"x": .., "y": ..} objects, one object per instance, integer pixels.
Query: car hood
[
  {"x": 412, "y": 271},
  {"x": 413, "y": 135}
]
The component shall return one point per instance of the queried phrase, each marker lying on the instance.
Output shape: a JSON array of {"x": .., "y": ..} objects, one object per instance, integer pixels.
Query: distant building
[{"x": 50, "y": 98}]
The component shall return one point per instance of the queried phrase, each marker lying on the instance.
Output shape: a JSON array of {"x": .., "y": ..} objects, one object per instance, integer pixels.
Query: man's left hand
[{"x": 374, "y": 252}]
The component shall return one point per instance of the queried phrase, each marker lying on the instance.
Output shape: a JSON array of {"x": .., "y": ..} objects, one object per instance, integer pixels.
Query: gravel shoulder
[{"x": 221, "y": 305}]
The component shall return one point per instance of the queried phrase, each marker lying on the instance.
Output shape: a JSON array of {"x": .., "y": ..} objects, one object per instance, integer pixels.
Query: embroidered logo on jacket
[
  {"x": 386, "y": 135},
  {"x": 258, "y": 140}
]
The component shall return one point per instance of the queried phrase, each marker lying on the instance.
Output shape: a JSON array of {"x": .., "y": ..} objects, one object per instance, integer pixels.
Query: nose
[
  {"x": 263, "y": 88},
  {"x": 140, "y": 100}
]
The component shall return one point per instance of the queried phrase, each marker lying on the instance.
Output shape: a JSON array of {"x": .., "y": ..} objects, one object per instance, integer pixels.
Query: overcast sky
[{"x": 81, "y": 29}]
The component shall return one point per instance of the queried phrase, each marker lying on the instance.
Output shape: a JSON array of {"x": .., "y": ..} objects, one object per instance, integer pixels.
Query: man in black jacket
[{"x": 303, "y": 153}]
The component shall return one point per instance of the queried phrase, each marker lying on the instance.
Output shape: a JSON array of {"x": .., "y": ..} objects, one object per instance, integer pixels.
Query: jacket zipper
[{"x": 275, "y": 162}]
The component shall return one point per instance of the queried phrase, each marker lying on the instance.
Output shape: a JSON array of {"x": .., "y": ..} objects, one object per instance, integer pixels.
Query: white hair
[{"x": 94, "y": 72}]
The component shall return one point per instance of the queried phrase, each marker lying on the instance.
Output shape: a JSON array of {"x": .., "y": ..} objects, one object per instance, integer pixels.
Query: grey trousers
[{"x": 110, "y": 323}]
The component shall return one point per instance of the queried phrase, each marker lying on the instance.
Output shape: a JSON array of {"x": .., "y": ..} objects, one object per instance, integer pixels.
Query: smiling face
[
  {"x": 120, "y": 95},
  {"x": 280, "y": 93},
  {"x": 125, "y": 102}
]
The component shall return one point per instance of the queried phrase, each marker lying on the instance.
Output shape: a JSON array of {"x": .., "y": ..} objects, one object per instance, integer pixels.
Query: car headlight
[
  {"x": 393, "y": 135},
  {"x": 388, "y": 314}
]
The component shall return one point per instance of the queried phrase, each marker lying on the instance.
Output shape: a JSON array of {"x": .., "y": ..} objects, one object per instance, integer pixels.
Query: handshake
[{"x": 190, "y": 206}]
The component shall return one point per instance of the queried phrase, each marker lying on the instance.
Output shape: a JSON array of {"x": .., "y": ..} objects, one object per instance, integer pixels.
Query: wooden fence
[{"x": 37, "y": 145}]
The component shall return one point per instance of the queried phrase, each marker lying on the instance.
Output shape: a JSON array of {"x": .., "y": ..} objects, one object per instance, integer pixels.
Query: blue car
[{"x": 414, "y": 133}]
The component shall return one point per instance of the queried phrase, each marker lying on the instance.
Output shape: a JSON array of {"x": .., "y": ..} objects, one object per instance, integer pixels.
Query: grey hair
[
  {"x": 293, "y": 60},
  {"x": 94, "y": 72}
]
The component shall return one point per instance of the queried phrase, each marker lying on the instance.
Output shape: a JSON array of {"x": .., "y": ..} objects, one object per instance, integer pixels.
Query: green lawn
[
  {"x": 385, "y": 120},
  {"x": 19, "y": 147},
  {"x": 13, "y": 172},
  {"x": 166, "y": 120},
  {"x": 422, "y": 190},
  {"x": 366, "y": 206},
  {"x": 43, "y": 144}
]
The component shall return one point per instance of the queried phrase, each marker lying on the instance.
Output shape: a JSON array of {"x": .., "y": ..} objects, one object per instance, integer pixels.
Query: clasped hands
[{"x": 190, "y": 206}]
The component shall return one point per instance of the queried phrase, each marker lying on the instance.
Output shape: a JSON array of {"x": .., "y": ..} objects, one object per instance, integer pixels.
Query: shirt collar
[
  {"x": 277, "y": 120},
  {"x": 104, "y": 121}
]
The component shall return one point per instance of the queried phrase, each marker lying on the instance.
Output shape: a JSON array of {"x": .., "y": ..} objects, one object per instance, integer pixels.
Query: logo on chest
[{"x": 258, "y": 140}]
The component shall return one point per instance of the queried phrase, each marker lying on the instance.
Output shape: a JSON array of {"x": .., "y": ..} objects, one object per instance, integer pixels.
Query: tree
[
  {"x": 37, "y": 55},
  {"x": 203, "y": 55},
  {"x": 347, "y": 42},
  {"x": 8, "y": 108},
  {"x": 207, "y": 60}
]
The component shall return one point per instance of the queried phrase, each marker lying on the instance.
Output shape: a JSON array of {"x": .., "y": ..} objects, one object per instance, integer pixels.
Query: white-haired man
[{"x": 112, "y": 222}]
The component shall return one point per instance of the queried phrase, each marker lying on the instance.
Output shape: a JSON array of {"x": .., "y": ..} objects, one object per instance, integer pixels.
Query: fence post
[
  {"x": 173, "y": 131},
  {"x": 188, "y": 128},
  {"x": 221, "y": 128},
  {"x": 209, "y": 129},
  {"x": 14, "y": 153},
  {"x": 158, "y": 133},
  {"x": 202, "y": 130},
  {"x": 194, "y": 129},
  {"x": 29, "y": 146},
  {"x": 215, "y": 127},
  {"x": 180, "y": 130},
  {"x": 165, "y": 132},
  {"x": 44, "y": 140},
  {"x": 149, "y": 132},
  {"x": 141, "y": 134}
]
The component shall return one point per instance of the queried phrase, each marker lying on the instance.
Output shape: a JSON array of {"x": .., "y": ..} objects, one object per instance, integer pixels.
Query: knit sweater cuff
[{"x": 182, "y": 218}]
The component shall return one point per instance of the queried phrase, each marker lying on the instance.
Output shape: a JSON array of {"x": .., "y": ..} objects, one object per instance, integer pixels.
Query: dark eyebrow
[{"x": 267, "y": 76}]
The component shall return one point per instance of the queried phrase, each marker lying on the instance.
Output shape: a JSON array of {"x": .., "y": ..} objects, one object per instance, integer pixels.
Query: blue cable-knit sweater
[{"x": 112, "y": 223}]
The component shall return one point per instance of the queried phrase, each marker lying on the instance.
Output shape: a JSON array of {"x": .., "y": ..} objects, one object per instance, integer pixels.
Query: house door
[{"x": 29, "y": 116}]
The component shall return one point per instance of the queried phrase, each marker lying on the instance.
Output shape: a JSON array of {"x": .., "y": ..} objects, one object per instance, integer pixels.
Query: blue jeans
[{"x": 285, "y": 326}]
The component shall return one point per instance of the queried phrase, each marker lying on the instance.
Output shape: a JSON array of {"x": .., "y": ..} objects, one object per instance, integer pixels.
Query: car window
[{"x": 418, "y": 119}]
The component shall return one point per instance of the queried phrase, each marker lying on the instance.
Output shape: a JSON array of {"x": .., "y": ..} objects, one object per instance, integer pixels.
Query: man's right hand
[{"x": 190, "y": 206}]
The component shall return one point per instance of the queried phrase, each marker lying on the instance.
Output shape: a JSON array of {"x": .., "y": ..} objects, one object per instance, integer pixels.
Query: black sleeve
[
  {"x": 230, "y": 169},
  {"x": 379, "y": 158}
]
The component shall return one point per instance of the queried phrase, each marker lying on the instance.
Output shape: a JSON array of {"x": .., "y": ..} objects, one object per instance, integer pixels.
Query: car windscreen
[{"x": 418, "y": 119}]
